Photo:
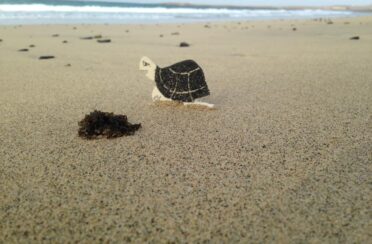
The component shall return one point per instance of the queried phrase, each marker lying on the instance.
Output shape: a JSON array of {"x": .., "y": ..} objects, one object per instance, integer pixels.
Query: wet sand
[{"x": 285, "y": 157}]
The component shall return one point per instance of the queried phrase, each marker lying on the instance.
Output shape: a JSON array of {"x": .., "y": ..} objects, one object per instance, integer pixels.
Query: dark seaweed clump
[
  {"x": 109, "y": 125},
  {"x": 184, "y": 44},
  {"x": 46, "y": 57},
  {"x": 104, "y": 40}
]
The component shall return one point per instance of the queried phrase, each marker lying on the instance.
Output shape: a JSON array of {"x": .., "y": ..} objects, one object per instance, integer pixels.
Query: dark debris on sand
[
  {"x": 355, "y": 38},
  {"x": 23, "y": 50},
  {"x": 46, "y": 57},
  {"x": 103, "y": 124},
  {"x": 87, "y": 38},
  {"x": 184, "y": 44},
  {"x": 104, "y": 40},
  {"x": 91, "y": 37}
]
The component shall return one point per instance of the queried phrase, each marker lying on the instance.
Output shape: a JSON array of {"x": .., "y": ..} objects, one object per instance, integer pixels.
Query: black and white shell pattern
[{"x": 183, "y": 81}]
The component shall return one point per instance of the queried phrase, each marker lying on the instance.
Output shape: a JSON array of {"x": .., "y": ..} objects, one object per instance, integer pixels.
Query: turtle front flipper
[{"x": 157, "y": 96}]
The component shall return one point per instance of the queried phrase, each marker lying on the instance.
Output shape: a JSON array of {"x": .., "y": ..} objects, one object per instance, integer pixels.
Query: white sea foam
[
  {"x": 41, "y": 13},
  {"x": 99, "y": 9}
]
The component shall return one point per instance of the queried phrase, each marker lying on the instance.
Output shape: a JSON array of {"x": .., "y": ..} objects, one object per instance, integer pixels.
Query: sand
[{"x": 285, "y": 157}]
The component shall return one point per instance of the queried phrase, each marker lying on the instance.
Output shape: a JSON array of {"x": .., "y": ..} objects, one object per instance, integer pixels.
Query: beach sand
[{"x": 285, "y": 157}]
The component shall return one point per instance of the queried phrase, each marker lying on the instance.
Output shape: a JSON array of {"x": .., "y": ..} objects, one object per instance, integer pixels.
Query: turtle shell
[{"x": 183, "y": 81}]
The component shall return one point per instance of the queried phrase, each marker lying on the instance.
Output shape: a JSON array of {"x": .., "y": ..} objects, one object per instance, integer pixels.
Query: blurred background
[{"x": 179, "y": 11}]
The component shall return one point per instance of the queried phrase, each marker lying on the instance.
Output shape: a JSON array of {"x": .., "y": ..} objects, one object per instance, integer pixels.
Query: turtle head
[{"x": 149, "y": 66}]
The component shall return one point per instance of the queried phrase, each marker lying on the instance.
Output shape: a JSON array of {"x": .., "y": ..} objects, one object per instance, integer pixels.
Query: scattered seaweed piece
[
  {"x": 175, "y": 33},
  {"x": 294, "y": 29},
  {"x": 354, "y": 38},
  {"x": 161, "y": 36},
  {"x": 103, "y": 124},
  {"x": 23, "y": 50},
  {"x": 46, "y": 57},
  {"x": 68, "y": 65},
  {"x": 86, "y": 38},
  {"x": 65, "y": 41},
  {"x": 1, "y": 40},
  {"x": 31, "y": 46},
  {"x": 91, "y": 37},
  {"x": 104, "y": 40},
  {"x": 330, "y": 22},
  {"x": 55, "y": 35},
  {"x": 184, "y": 44}
]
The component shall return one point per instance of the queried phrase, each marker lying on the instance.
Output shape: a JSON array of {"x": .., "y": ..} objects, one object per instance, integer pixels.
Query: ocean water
[{"x": 66, "y": 11}]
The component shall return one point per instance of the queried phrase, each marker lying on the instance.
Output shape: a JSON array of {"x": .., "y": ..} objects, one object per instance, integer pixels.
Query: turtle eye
[{"x": 145, "y": 64}]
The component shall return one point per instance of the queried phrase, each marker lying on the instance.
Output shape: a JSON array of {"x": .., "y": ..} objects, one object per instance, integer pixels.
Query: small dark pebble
[
  {"x": 74, "y": 28},
  {"x": 32, "y": 45},
  {"x": 161, "y": 35},
  {"x": 23, "y": 50},
  {"x": 294, "y": 29},
  {"x": 104, "y": 40},
  {"x": 105, "y": 124},
  {"x": 127, "y": 31},
  {"x": 355, "y": 38},
  {"x": 55, "y": 35},
  {"x": 184, "y": 44},
  {"x": 46, "y": 57},
  {"x": 1, "y": 40},
  {"x": 65, "y": 41},
  {"x": 263, "y": 146},
  {"x": 68, "y": 65}
]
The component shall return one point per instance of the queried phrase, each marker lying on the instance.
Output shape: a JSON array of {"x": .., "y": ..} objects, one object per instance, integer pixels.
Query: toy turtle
[{"x": 183, "y": 81}]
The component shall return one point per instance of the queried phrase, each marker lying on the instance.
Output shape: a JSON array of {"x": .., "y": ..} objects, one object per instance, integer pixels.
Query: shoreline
[
  {"x": 124, "y": 13},
  {"x": 222, "y": 21},
  {"x": 201, "y": 22}
]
